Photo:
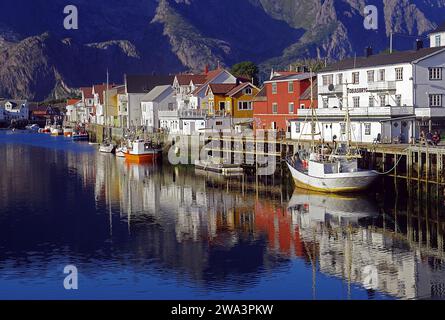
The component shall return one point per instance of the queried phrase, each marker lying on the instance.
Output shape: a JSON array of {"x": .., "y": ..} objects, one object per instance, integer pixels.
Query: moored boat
[
  {"x": 56, "y": 131},
  {"x": 120, "y": 152},
  {"x": 107, "y": 147},
  {"x": 142, "y": 151},
  {"x": 32, "y": 127},
  {"x": 80, "y": 136},
  {"x": 68, "y": 132},
  {"x": 332, "y": 171}
]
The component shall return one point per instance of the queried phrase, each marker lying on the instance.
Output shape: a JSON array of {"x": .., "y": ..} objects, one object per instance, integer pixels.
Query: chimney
[
  {"x": 206, "y": 69},
  {"x": 368, "y": 52},
  {"x": 419, "y": 44}
]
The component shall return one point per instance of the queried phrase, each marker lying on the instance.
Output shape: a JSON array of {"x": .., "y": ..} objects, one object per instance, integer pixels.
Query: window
[
  {"x": 371, "y": 101},
  {"x": 328, "y": 79},
  {"x": 437, "y": 40},
  {"x": 382, "y": 75},
  {"x": 342, "y": 128},
  {"x": 274, "y": 108},
  {"x": 340, "y": 103},
  {"x": 382, "y": 100},
  {"x": 356, "y": 102},
  {"x": 274, "y": 88},
  {"x": 340, "y": 78},
  {"x": 248, "y": 91},
  {"x": 367, "y": 129},
  {"x": 291, "y": 108},
  {"x": 371, "y": 76},
  {"x": 435, "y": 73},
  {"x": 297, "y": 127},
  {"x": 399, "y": 74},
  {"x": 222, "y": 105},
  {"x": 244, "y": 105},
  {"x": 290, "y": 87},
  {"x": 302, "y": 106},
  {"x": 325, "y": 102},
  {"x": 218, "y": 123},
  {"x": 398, "y": 100},
  {"x": 356, "y": 77},
  {"x": 435, "y": 100}
]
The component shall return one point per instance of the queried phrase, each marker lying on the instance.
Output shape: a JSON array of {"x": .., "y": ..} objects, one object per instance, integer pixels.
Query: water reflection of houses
[{"x": 350, "y": 243}]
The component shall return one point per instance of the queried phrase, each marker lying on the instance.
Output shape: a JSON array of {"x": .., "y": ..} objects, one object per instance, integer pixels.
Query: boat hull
[
  {"x": 143, "y": 158},
  {"x": 335, "y": 183}
]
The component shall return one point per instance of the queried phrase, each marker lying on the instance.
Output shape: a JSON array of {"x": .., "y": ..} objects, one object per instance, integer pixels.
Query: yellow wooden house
[{"x": 234, "y": 100}]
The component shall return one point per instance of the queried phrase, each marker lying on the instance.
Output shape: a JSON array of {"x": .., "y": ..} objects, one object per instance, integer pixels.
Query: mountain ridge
[{"x": 39, "y": 59}]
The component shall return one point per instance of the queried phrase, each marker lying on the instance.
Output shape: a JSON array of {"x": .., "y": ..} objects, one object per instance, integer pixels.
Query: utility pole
[{"x": 390, "y": 42}]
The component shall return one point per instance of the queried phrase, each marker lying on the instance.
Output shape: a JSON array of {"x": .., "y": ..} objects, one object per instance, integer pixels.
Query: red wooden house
[{"x": 279, "y": 100}]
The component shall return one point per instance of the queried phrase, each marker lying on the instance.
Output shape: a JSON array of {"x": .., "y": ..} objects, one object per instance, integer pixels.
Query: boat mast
[
  {"x": 348, "y": 123},
  {"x": 312, "y": 114},
  {"x": 106, "y": 102}
]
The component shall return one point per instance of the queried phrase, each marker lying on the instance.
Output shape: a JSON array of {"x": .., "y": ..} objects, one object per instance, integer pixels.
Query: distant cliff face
[{"x": 40, "y": 59}]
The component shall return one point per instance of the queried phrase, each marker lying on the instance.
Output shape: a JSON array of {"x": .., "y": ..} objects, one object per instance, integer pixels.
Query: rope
[{"x": 395, "y": 166}]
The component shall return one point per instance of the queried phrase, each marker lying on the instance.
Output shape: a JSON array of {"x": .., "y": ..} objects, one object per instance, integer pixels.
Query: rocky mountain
[{"x": 40, "y": 59}]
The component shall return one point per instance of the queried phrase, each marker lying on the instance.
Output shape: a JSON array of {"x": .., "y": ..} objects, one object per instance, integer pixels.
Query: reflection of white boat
[
  {"x": 120, "y": 152},
  {"x": 326, "y": 207},
  {"x": 56, "y": 131},
  {"x": 33, "y": 127},
  {"x": 106, "y": 147}
]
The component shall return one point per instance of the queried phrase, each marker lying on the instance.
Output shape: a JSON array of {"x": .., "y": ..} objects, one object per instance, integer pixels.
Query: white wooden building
[
  {"x": 390, "y": 97},
  {"x": 161, "y": 98}
]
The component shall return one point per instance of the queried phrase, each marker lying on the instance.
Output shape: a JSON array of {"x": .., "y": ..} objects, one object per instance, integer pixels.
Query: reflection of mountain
[{"x": 347, "y": 244}]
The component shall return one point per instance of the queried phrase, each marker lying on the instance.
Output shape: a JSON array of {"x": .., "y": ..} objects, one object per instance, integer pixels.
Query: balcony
[
  {"x": 360, "y": 112},
  {"x": 430, "y": 112},
  {"x": 382, "y": 86}
]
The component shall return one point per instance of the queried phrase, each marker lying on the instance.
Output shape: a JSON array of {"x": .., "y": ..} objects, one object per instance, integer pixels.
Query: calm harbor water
[{"x": 163, "y": 232}]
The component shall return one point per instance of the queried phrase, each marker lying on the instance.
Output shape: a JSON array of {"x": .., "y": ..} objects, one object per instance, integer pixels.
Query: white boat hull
[{"x": 336, "y": 182}]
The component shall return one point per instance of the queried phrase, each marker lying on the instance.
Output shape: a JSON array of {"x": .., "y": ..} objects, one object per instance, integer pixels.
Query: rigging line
[{"x": 396, "y": 164}]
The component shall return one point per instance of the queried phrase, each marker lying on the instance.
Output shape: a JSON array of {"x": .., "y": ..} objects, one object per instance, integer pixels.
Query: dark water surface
[{"x": 163, "y": 232}]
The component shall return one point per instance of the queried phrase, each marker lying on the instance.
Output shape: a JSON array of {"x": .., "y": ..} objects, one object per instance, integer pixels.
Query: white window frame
[
  {"x": 274, "y": 88},
  {"x": 435, "y": 73},
  {"x": 367, "y": 129},
  {"x": 290, "y": 87},
  {"x": 356, "y": 102},
  {"x": 437, "y": 40},
  {"x": 297, "y": 127},
  {"x": 435, "y": 100},
  {"x": 340, "y": 78},
  {"x": 398, "y": 98},
  {"x": 356, "y": 77},
  {"x": 291, "y": 108},
  {"x": 274, "y": 108},
  {"x": 382, "y": 75},
  {"x": 399, "y": 74},
  {"x": 371, "y": 102},
  {"x": 371, "y": 76}
]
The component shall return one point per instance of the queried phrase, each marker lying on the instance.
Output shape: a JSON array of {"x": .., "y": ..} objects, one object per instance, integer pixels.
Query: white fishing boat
[
  {"x": 335, "y": 171},
  {"x": 56, "y": 131},
  {"x": 140, "y": 151},
  {"x": 33, "y": 127},
  {"x": 106, "y": 147},
  {"x": 120, "y": 152}
]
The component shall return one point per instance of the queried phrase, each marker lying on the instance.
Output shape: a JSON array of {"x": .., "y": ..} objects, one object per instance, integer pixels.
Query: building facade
[
  {"x": 391, "y": 97},
  {"x": 161, "y": 98},
  {"x": 279, "y": 100}
]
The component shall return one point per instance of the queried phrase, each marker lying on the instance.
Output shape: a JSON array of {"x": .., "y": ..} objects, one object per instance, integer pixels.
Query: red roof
[
  {"x": 185, "y": 79},
  {"x": 213, "y": 74},
  {"x": 72, "y": 102},
  {"x": 221, "y": 88},
  {"x": 100, "y": 89},
  {"x": 87, "y": 92}
]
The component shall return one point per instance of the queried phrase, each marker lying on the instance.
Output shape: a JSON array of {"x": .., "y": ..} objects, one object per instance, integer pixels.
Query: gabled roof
[
  {"x": 241, "y": 87},
  {"x": 383, "y": 59},
  {"x": 210, "y": 76},
  {"x": 72, "y": 102},
  {"x": 146, "y": 83},
  {"x": 87, "y": 92},
  {"x": 290, "y": 77},
  {"x": 221, "y": 88},
  {"x": 156, "y": 92},
  {"x": 440, "y": 28},
  {"x": 16, "y": 104},
  {"x": 100, "y": 89},
  {"x": 186, "y": 79}
]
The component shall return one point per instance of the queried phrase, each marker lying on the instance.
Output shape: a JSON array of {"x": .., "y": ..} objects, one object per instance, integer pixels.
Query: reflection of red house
[
  {"x": 276, "y": 223},
  {"x": 279, "y": 100}
]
